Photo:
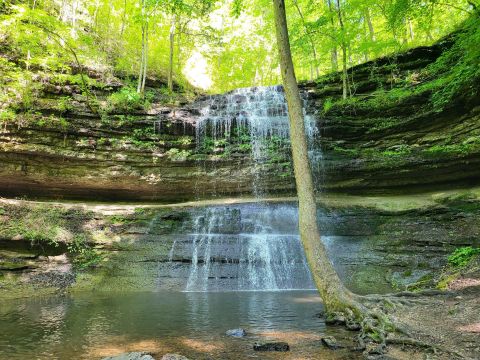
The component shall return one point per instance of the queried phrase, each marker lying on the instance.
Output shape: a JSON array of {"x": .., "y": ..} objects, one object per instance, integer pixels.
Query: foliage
[
  {"x": 175, "y": 154},
  {"x": 223, "y": 45},
  {"x": 128, "y": 100},
  {"x": 462, "y": 256},
  {"x": 84, "y": 255},
  {"x": 458, "y": 67},
  {"x": 47, "y": 224}
]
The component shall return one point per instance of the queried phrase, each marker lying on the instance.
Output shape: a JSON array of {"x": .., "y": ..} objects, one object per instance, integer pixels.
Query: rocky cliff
[{"x": 389, "y": 135}]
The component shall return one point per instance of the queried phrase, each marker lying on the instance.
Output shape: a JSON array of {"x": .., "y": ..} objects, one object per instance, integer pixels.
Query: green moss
[
  {"x": 354, "y": 152},
  {"x": 463, "y": 256},
  {"x": 471, "y": 145}
]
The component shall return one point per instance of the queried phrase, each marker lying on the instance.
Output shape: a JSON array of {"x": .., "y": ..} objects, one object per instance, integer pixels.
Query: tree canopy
[{"x": 216, "y": 45}]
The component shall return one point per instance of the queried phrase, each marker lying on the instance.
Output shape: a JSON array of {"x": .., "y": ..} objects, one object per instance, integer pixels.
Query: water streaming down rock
[
  {"x": 260, "y": 112},
  {"x": 264, "y": 252},
  {"x": 248, "y": 247}
]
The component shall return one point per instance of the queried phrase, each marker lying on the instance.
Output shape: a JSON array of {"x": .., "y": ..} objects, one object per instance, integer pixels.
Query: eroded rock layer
[{"x": 372, "y": 142}]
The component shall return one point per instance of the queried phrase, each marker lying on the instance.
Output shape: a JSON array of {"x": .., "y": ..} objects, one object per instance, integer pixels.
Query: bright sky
[{"x": 196, "y": 71}]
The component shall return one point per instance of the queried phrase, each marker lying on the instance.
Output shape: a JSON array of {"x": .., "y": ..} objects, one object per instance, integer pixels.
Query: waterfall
[
  {"x": 262, "y": 111},
  {"x": 247, "y": 247},
  {"x": 261, "y": 254}
]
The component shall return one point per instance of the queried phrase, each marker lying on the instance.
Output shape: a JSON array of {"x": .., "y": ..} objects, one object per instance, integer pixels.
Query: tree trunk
[
  {"x": 124, "y": 18},
  {"x": 370, "y": 25},
  {"x": 334, "y": 55},
  {"x": 344, "y": 53},
  {"x": 140, "y": 74},
  {"x": 410, "y": 30},
  {"x": 145, "y": 61},
  {"x": 142, "y": 57},
  {"x": 172, "y": 43},
  {"x": 310, "y": 38},
  {"x": 335, "y": 296}
]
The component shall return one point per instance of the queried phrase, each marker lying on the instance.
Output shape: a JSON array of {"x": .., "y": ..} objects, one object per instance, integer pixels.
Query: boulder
[
  {"x": 271, "y": 346},
  {"x": 331, "y": 343}
]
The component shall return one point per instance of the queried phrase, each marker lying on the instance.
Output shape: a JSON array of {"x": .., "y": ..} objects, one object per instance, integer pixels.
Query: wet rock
[
  {"x": 131, "y": 356},
  {"x": 271, "y": 346},
  {"x": 61, "y": 259},
  {"x": 379, "y": 357},
  {"x": 374, "y": 350},
  {"x": 236, "y": 332},
  {"x": 173, "y": 357},
  {"x": 353, "y": 326},
  {"x": 335, "y": 319},
  {"x": 331, "y": 343},
  {"x": 14, "y": 265},
  {"x": 60, "y": 280}
]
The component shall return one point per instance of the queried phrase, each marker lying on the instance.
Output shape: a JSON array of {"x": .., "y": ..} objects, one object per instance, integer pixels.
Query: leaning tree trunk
[{"x": 335, "y": 296}]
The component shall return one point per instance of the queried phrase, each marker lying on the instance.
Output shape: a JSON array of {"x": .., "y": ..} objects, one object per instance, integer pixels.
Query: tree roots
[{"x": 377, "y": 328}]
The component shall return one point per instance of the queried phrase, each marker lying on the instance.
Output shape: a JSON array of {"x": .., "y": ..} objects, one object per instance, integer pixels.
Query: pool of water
[{"x": 91, "y": 326}]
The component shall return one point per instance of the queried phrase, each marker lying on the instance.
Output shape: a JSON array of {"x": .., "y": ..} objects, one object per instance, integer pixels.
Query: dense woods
[
  {"x": 167, "y": 168},
  {"x": 216, "y": 45}
]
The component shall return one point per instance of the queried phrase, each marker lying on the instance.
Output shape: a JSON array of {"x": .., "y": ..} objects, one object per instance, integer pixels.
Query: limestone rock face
[{"x": 154, "y": 155}]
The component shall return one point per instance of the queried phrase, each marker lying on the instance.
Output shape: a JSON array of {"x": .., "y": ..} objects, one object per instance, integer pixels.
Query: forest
[{"x": 206, "y": 179}]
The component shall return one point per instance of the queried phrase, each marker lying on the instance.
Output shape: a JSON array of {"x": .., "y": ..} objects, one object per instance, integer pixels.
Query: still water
[{"x": 96, "y": 325}]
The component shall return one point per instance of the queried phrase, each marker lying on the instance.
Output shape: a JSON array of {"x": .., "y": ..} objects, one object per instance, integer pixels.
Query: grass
[{"x": 51, "y": 225}]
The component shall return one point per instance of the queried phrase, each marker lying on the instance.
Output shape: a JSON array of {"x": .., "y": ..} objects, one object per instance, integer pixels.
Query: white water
[
  {"x": 262, "y": 111},
  {"x": 252, "y": 247},
  {"x": 268, "y": 256}
]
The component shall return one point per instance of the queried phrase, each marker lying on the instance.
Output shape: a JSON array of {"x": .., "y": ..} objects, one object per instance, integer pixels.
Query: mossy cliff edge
[{"x": 411, "y": 123}]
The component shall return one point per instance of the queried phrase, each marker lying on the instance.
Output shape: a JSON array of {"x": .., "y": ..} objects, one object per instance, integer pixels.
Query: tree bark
[
  {"x": 140, "y": 85},
  {"x": 140, "y": 74},
  {"x": 124, "y": 18},
  {"x": 335, "y": 296},
  {"x": 172, "y": 43},
  {"x": 344, "y": 53},
  {"x": 370, "y": 25},
  {"x": 145, "y": 61},
  {"x": 410, "y": 30},
  {"x": 334, "y": 54},
  {"x": 310, "y": 38}
]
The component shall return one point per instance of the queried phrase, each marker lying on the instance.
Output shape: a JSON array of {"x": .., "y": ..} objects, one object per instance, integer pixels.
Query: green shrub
[
  {"x": 6, "y": 116},
  {"x": 462, "y": 256},
  {"x": 128, "y": 100},
  {"x": 175, "y": 154}
]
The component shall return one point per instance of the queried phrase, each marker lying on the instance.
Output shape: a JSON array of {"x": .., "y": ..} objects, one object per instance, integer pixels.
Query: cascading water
[
  {"x": 259, "y": 112},
  {"x": 262, "y": 253},
  {"x": 247, "y": 247}
]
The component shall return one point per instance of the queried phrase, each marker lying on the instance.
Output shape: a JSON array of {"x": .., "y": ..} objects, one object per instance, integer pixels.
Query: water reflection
[{"x": 73, "y": 327}]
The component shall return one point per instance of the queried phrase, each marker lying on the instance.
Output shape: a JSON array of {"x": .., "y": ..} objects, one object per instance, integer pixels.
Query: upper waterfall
[{"x": 259, "y": 114}]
